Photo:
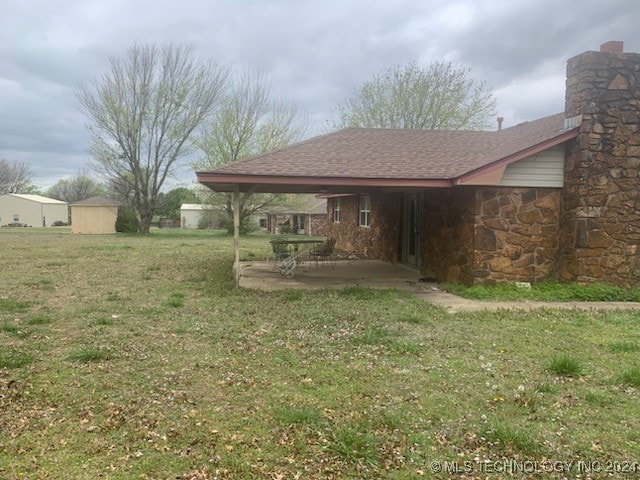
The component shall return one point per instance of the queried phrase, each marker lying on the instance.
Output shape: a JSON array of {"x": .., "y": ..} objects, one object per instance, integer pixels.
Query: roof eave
[
  {"x": 309, "y": 184},
  {"x": 467, "y": 178}
]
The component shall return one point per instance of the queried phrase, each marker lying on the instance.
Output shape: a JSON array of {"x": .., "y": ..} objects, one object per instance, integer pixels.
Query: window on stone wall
[
  {"x": 365, "y": 211},
  {"x": 336, "y": 209}
]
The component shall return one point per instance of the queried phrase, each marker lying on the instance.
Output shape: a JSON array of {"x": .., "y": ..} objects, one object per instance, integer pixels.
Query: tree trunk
[{"x": 145, "y": 223}]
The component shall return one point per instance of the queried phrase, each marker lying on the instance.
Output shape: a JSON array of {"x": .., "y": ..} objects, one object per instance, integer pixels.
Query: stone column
[{"x": 600, "y": 212}]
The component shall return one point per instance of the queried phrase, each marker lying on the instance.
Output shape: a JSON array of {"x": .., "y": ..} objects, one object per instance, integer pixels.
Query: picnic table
[
  {"x": 294, "y": 242},
  {"x": 288, "y": 259}
]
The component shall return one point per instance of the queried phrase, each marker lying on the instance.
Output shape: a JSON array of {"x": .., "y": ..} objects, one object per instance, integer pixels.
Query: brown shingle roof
[
  {"x": 311, "y": 206},
  {"x": 97, "y": 201},
  {"x": 389, "y": 154}
]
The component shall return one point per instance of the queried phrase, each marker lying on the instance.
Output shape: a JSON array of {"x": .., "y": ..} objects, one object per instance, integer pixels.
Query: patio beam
[
  {"x": 307, "y": 184},
  {"x": 236, "y": 232}
]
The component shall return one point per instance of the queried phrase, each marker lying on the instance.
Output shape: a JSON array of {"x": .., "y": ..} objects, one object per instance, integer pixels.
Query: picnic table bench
[{"x": 288, "y": 254}]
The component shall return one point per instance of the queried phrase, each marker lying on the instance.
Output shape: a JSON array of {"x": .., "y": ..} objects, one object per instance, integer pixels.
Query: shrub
[
  {"x": 127, "y": 221},
  {"x": 285, "y": 229},
  {"x": 213, "y": 220}
]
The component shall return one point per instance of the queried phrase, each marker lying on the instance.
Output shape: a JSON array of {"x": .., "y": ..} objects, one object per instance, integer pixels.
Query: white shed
[
  {"x": 32, "y": 210},
  {"x": 190, "y": 214}
]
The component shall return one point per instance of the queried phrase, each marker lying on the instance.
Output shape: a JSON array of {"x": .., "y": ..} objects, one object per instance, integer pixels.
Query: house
[
  {"x": 94, "y": 215},
  {"x": 554, "y": 198},
  {"x": 310, "y": 218},
  {"x": 32, "y": 210}
]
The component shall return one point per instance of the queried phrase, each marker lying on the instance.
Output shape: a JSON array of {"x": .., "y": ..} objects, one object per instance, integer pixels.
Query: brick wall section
[
  {"x": 318, "y": 224},
  {"x": 381, "y": 240},
  {"x": 515, "y": 234},
  {"x": 600, "y": 218},
  {"x": 447, "y": 234}
]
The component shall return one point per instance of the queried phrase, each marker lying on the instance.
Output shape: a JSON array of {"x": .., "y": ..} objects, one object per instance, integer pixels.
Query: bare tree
[
  {"x": 441, "y": 97},
  {"x": 142, "y": 116},
  {"x": 15, "y": 177},
  {"x": 252, "y": 120}
]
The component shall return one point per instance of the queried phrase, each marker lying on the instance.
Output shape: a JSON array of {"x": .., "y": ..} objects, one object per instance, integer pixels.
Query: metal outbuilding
[{"x": 32, "y": 210}]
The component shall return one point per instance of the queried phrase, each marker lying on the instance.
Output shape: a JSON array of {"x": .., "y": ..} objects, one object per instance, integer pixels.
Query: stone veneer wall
[
  {"x": 600, "y": 219},
  {"x": 447, "y": 234},
  {"x": 516, "y": 234},
  {"x": 381, "y": 240},
  {"x": 489, "y": 234}
]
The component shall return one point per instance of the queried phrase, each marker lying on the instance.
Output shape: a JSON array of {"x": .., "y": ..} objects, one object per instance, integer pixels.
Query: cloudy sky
[{"x": 315, "y": 51}]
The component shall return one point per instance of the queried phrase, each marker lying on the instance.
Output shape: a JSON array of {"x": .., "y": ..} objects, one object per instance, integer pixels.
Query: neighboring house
[
  {"x": 307, "y": 219},
  {"x": 94, "y": 215},
  {"x": 32, "y": 210},
  {"x": 557, "y": 197}
]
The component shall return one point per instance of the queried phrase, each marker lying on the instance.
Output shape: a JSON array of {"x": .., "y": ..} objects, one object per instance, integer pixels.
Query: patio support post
[{"x": 236, "y": 232}]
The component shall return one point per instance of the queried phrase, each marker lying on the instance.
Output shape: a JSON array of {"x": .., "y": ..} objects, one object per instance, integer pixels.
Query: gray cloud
[{"x": 315, "y": 51}]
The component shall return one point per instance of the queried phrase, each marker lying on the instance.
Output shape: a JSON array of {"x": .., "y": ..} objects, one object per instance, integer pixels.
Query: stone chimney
[
  {"x": 600, "y": 215},
  {"x": 614, "y": 46}
]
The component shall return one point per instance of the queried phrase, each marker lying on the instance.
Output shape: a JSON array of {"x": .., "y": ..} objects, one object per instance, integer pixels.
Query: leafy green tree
[
  {"x": 252, "y": 120},
  {"x": 74, "y": 189},
  {"x": 31, "y": 189},
  {"x": 143, "y": 114},
  {"x": 169, "y": 203},
  {"x": 441, "y": 97}
]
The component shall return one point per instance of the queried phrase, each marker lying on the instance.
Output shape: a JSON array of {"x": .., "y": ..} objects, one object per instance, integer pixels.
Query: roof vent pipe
[{"x": 500, "y": 120}]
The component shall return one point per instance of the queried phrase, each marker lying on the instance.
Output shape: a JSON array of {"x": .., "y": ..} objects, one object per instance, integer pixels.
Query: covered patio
[
  {"x": 344, "y": 273},
  {"x": 462, "y": 207}
]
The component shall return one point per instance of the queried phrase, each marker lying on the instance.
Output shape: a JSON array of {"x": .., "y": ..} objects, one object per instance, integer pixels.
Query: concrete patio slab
[
  {"x": 365, "y": 273},
  {"x": 378, "y": 274}
]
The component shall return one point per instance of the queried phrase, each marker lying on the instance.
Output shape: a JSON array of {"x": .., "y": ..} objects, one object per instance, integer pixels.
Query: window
[
  {"x": 263, "y": 223},
  {"x": 365, "y": 211},
  {"x": 16, "y": 217},
  {"x": 336, "y": 210}
]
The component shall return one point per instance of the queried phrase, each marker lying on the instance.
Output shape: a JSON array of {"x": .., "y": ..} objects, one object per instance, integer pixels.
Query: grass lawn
[
  {"x": 135, "y": 357},
  {"x": 547, "y": 291}
]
